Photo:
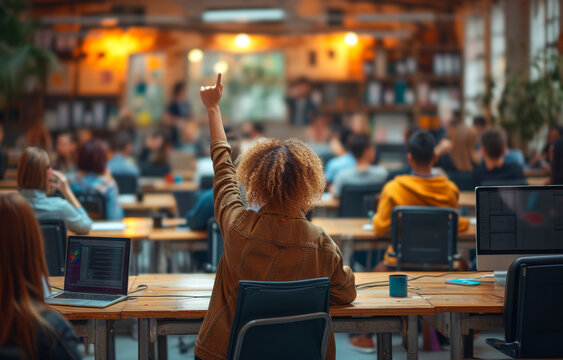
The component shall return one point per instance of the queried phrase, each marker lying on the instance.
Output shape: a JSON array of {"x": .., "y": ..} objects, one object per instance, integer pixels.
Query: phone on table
[{"x": 464, "y": 282}]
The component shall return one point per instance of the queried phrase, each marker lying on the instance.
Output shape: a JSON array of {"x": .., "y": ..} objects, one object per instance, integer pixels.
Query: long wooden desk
[
  {"x": 150, "y": 202},
  {"x": 161, "y": 185},
  {"x": 8, "y": 184},
  {"x": 454, "y": 310}
]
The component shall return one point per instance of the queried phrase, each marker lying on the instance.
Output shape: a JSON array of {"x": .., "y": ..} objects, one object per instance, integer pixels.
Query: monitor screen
[
  {"x": 97, "y": 265},
  {"x": 519, "y": 220}
]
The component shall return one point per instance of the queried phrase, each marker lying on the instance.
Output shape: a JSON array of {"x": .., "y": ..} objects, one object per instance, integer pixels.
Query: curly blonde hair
[{"x": 286, "y": 175}]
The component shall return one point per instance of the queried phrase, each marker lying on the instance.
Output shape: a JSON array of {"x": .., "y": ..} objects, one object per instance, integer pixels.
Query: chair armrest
[{"x": 510, "y": 349}]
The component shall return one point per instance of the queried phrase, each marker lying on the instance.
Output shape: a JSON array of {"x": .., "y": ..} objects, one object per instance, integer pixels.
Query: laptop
[{"x": 96, "y": 272}]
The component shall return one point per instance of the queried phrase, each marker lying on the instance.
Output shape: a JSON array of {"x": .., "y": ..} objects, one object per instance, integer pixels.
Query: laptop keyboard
[{"x": 83, "y": 296}]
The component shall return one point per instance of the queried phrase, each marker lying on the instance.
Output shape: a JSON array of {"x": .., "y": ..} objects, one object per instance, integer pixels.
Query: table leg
[
  {"x": 411, "y": 344},
  {"x": 468, "y": 345},
  {"x": 101, "y": 344},
  {"x": 384, "y": 347},
  {"x": 162, "y": 347},
  {"x": 145, "y": 346},
  {"x": 456, "y": 339}
]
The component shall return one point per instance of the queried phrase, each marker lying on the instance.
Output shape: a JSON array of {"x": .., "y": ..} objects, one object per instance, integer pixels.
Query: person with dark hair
[
  {"x": 153, "y": 160},
  {"x": 282, "y": 179},
  {"x": 302, "y": 110},
  {"x": 557, "y": 162},
  {"x": 65, "y": 147},
  {"x": 121, "y": 163},
  {"x": 494, "y": 168},
  {"x": 479, "y": 124},
  {"x": 419, "y": 188},
  {"x": 94, "y": 177},
  {"x": 251, "y": 133},
  {"x": 178, "y": 111},
  {"x": 364, "y": 173},
  {"x": 541, "y": 160}
]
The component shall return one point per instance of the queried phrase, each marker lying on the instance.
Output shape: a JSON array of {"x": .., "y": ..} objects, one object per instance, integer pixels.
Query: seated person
[
  {"x": 343, "y": 158},
  {"x": 28, "y": 326},
  {"x": 153, "y": 160},
  {"x": 121, "y": 163},
  {"x": 37, "y": 180},
  {"x": 541, "y": 160},
  {"x": 65, "y": 147},
  {"x": 276, "y": 243},
  {"x": 420, "y": 188},
  {"x": 364, "y": 173},
  {"x": 202, "y": 211},
  {"x": 494, "y": 169},
  {"x": 94, "y": 177},
  {"x": 457, "y": 152},
  {"x": 557, "y": 162},
  {"x": 251, "y": 133}
]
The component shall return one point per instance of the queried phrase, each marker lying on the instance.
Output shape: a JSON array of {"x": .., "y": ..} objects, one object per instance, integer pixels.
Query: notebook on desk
[{"x": 96, "y": 272}]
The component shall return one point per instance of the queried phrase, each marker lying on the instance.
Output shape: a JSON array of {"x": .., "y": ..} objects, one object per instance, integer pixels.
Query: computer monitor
[{"x": 516, "y": 221}]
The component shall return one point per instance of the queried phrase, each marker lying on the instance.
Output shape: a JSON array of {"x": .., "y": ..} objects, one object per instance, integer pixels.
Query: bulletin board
[
  {"x": 145, "y": 86},
  {"x": 254, "y": 84}
]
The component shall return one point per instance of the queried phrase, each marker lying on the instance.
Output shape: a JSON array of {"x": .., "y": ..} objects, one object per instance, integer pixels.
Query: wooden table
[
  {"x": 454, "y": 310},
  {"x": 8, "y": 184},
  {"x": 467, "y": 199},
  {"x": 373, "y": 311},
  {"x": 158, "y": 185},
  {"x": 151, "y": 202}
]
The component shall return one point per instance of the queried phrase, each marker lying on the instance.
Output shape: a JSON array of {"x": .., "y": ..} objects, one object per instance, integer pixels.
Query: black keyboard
[{"x": 83, "y": 296}]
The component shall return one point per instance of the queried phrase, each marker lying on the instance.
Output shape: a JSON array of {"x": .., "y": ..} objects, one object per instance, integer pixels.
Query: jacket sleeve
[
  {"x": 76, "y": 219},
  {"x": 382, "y": 218},
  {"x": 226, "y": 192},
  {"x": 342, "y": 282}
]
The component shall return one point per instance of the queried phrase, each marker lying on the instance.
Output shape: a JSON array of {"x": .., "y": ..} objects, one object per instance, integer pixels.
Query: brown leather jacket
[{"x": 262, "y": 246}]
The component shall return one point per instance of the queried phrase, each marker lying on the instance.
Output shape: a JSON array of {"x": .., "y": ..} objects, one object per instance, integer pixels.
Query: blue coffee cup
[{"x": 398, "y": 285}]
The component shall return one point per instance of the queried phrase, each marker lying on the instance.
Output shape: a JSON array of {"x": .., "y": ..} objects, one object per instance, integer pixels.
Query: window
[
  {"x": 544, "y": 32},
  {"x": 497, "y": 54},
  {"x": 474, "y": 74}
]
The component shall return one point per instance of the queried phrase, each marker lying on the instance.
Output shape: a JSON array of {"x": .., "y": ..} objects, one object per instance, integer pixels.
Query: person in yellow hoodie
[{"x": 421, "y": 188}]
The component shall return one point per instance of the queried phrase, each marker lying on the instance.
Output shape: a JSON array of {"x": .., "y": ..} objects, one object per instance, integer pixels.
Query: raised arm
[{"x": 210, "y": 95}]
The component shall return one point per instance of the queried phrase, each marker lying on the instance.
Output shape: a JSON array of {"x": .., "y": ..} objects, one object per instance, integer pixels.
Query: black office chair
[
  {"x": 126, "y": 183},
  {"x": 533, "y": 315},
  {"x": 54, "y": 243},
  {"x": 465, "y": 181},
  {"x": 424, "y": 236},
  {"x": 206, "y": 182},
  {"x": 215, "y": 246},
  {"x": 511, "y": 182},
  {"x": 357, "y": 200},
  {"x": 94, "y": 204},
  {"x": 281, "y": 320},
  {"x": 185, "y": 200}
]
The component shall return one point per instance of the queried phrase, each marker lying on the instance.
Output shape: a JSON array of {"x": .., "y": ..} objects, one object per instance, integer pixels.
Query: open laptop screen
[
  {"x": 520, "y": 220},
  {"x": 97, "y": 265}
]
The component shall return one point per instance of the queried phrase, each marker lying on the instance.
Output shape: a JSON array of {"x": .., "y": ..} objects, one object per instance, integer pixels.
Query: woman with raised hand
[
  {"x": 37, "y": 180},
  {"x": 282, "y": 178},
  {"x": 28, "y": 330}
]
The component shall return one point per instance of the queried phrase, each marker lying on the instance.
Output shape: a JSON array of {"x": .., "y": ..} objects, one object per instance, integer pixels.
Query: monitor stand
[{"x": 500, "y": 276}]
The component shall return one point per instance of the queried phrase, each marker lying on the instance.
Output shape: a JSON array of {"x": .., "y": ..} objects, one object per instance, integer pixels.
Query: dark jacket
[{"x": 57, "y": 343}]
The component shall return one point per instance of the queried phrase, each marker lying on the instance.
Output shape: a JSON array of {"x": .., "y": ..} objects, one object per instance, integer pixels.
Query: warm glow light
[
  {"x": 351, "y": 39},
  {"x": 195, "y": 55},
  {"x": 109, "y": 22},
  {"x": 221, "y": 67},
  {"x": 242, "y": 41}
]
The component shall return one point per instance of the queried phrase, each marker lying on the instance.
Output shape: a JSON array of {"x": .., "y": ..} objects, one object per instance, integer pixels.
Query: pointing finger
[{"x": 219, "y": 75}]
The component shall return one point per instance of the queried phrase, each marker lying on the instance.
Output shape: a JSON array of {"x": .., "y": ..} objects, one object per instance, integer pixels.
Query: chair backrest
[
  {"x": 465, "y": 181},
  {"x": 215, "y": 245},
  {"x": 54, "y": 243},
  {"x": 94, "y": 204},
  {"x": 533, "y": 315},
  {"x": 206, "y": 182},
  {"x": 357, "y": 200},
  {"x": 424, "y": 235},
  {"x": 185, "y": 201},
  {"x": 265, "y": 300},
  {"x": 126, "y": 183}
]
